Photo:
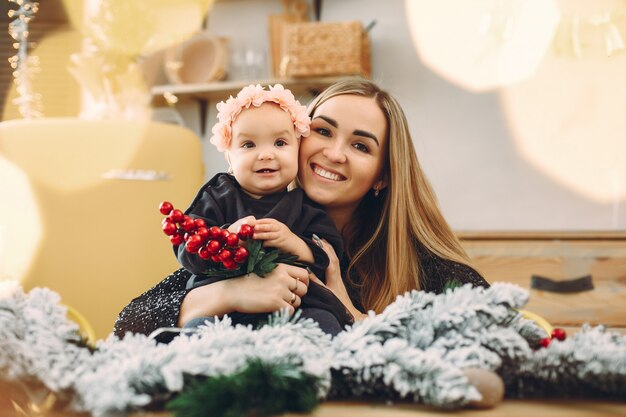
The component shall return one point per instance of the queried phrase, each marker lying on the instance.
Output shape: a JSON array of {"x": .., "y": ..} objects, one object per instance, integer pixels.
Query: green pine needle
[
  {"x": 260, "y": 389},
  {"x": 452, "y": 284},
  {"x": 255, "y": 251}
]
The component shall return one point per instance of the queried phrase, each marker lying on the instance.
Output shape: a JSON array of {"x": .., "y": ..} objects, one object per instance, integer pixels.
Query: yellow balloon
[{"x": 140, "y": 27}]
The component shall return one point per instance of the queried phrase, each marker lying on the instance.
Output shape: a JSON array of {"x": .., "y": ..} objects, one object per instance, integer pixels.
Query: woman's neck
[{"x": 340, "y": 216}]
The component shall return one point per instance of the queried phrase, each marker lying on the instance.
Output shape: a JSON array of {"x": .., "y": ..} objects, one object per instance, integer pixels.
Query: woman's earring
[
  {"x": 230, "y": 170},
  {"x": 376, "y": 191}
]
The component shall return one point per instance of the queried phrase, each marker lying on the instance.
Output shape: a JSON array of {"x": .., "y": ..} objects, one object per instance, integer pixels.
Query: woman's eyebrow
[
  {"x": 366, "y": 135},
  {"x": 328, "y": 120},
  {"x": 357, "y": 132}
]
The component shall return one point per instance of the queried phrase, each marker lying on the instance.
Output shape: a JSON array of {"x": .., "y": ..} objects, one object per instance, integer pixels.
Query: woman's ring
[{"x": 293, "y": 298}]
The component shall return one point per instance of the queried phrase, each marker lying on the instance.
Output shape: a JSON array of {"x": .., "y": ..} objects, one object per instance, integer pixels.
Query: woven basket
[{"x": 313, "y": 49}]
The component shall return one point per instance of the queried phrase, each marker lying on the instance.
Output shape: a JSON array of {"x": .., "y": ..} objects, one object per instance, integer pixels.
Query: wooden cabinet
[{"x": 515, "y": 257}]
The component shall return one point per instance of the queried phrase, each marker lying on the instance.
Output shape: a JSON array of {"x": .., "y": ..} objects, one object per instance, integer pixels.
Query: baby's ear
[{"x": 227, "y": 158}]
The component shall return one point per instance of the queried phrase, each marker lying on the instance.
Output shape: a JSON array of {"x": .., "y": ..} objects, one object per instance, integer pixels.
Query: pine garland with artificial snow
[{"x": 416, "y": 350}]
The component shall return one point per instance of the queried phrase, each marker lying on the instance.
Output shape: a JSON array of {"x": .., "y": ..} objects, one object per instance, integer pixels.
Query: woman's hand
[
  {"x": 247, "y": 294},
  {"x": 334, "y": 282},
  {"x": 253, "y": 294}
]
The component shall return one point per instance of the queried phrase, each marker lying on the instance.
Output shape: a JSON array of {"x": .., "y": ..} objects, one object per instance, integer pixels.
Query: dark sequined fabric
[
  {"x": 159, "y": 306},
  {"x": 436, "y": 273}
]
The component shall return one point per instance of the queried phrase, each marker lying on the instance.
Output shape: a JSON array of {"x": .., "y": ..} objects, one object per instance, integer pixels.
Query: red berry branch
[
  {"x": 557, "y": 333},
  {"x": 229, "y": 254}
]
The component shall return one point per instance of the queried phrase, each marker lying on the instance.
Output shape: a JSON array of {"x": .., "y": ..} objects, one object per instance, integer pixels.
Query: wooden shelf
[
  {"x": 550, "y": 235},
  {"x": 221, "y": 90}
]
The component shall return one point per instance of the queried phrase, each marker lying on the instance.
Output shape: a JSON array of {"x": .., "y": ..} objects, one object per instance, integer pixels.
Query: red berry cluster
[
  {"x": 557, "y": 333},
  {"x": 214, "y": 243}
]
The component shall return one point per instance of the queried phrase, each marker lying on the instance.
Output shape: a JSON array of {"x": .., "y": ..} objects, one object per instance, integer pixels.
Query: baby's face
[{"x": 263, "y": 152}]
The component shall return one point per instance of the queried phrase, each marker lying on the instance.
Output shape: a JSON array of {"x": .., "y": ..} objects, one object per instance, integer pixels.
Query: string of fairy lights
[{"x": 24, "y": 66}]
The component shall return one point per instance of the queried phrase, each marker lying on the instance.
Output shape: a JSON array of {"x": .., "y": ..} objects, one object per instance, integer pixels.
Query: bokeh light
[
  {"x": 482, "y": 44},
  {"x": 568, "y": 118},
  {"x": 20, "y": 221}
]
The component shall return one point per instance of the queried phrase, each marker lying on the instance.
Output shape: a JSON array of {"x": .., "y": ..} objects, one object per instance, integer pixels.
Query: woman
[{"x": 360, "y": 165}]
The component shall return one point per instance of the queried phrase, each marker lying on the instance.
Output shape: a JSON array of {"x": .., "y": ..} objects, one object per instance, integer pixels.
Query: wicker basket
[{"x": 313, "y": 49}]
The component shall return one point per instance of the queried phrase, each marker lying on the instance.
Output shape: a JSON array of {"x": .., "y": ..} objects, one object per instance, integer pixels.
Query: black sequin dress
[{"x": 159, "y": 306}]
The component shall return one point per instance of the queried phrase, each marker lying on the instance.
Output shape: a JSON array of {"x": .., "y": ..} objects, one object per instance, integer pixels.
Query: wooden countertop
[{"x": 508, "y": 408}]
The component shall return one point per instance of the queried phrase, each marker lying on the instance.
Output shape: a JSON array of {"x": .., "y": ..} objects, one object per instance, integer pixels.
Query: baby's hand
[
  {"x": 234, "y": 228},
  {"x": 275, "y": 234}
]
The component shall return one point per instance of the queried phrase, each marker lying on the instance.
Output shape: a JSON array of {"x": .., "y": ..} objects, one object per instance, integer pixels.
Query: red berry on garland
[
  {"x": 216, "y": 258},
  {"x": 192, "y": 248},
  {"x": 545, "y": 342},
  {"x": 241, "y": 255},
  {"x": 230, "y": 264},
  {"x": 214, "y": 246},
  {"x": 232, "y": 239},
  {"x": 166, "y": 207},
  {"x": 226, "y": 255},
  {"x": 166, "y": 220},
  {"x": 176, "y": 239},
  {"x": 169, "y": 228},
  {"x": 200, "y": 223},
  {"x": 559, "y": 334},
  {"x": 245, "y": 231},
  {"x": 193, "y": 243},
  {"x": 203, "y": 232},
  {"x": 203, "y": 252},
  {"x": 225, "y": 234},
  {"x": 177, "y": 216},
  {"x": 188, "y": 224},
  {"x": 215, "y": 232}
]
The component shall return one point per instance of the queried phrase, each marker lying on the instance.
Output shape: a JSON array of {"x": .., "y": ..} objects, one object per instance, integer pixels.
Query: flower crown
[{"x": 255, "y": 95}]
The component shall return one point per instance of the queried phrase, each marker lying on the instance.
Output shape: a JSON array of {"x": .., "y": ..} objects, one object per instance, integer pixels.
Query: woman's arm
[
  {"x": 247, "y": 294},
  {"x": 169, "y": 304},
  {"x": 158, "y": 307}
]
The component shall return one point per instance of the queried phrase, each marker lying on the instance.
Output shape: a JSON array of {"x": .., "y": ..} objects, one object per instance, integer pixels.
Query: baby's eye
[
  {"x": 280, "y": 142},
  {"x": 247, "y": 144},
  {"x": 361, "y": 147}
]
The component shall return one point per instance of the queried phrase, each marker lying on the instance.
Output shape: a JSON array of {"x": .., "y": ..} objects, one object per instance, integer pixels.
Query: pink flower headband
[{"x": 255, "y": 95}]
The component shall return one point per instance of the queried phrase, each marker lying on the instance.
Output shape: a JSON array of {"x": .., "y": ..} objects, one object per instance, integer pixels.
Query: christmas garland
[{"x": 416, "y": 350}]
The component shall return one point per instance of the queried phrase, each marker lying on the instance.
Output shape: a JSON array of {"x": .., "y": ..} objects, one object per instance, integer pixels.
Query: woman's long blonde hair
[{"x": 388, "y": 233}]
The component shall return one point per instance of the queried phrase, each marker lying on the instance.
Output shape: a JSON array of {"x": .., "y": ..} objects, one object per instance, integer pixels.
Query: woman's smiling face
[{"x": 345, "y": 154}]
